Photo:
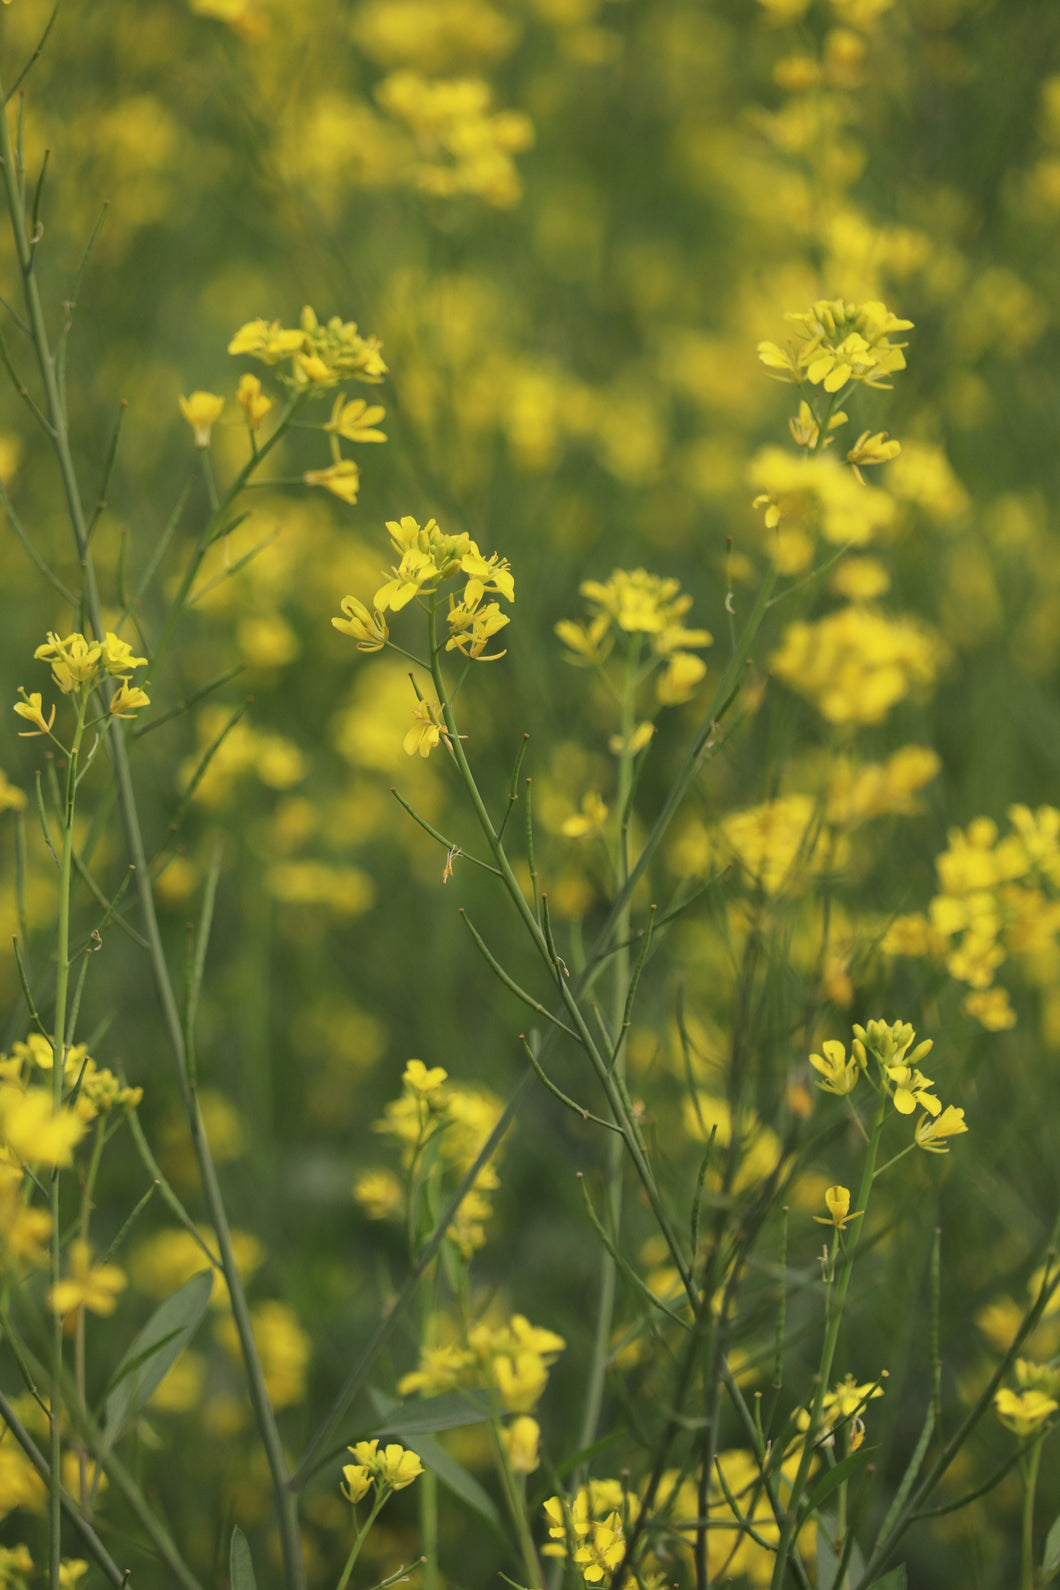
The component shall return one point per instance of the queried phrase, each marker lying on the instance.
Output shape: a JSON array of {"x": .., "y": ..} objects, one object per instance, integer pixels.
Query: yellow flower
[
  {"x": 473, "y": 628},
  {"x": 520, "y": 1380},
  {"x": 252, "y": 400},
  {"x": 12, "y": 799},
  {"x": 380, "y": 1194},
  {"x": 423, "y": 1082},
  {"x": 128, "y": 700},
  {"x": 117, "y": 656},
  {"x": 395, "y": 1467},
  {"x": 398, "y": 1467},
  {"x": 587, "y": 644},
  {"x": 602, "y": 1551},
  {"x": 427, "y": 731},
  {"x": 355, "y": 420},
  {"x": 88, "y": 1285},
  {"x": 1023, "y": 1412},
  {"x": 367, "y": 626},
  {"x": 342, "y": 479},
  {"x": 36, "y": 1132},
  {"x": 840, "y": 1074},
  {"x": 837, "y": 1202},
  {"x": 356, "y": 1481},
  {"x": 202, "y": 411},
  {"x": 522, "y": 1442},
  {"x": 930, "y": 1134},
  {"x": 677, "y": 684},
  {"x": 589, "y": 821},
  {"x": 74, "y": 660},
  {"x": 872, "y": 450},
  {"x": 266, "y": 340},
  {"x": 31, "y": 708},
  {"x": 910, "y": 1089}
]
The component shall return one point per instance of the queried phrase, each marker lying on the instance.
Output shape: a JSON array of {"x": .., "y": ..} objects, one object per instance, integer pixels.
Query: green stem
[
  {"x": 362, "y": 1536},
  {"x": 837, "y": 1294},
  {"x": 62, "y": 983},
  {"x": 516, "y": 1504},
  {"x": 1030, "y": 1486},
  {"x": 605, "y": 1301},
  {"x": 610, "y": 1082},
  {"x": 79, "y": 1330},
  {"x": 294, "y": 1570}
]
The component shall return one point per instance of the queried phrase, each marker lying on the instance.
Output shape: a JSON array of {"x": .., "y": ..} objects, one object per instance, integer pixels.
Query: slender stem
[
  {"x": 285, "y": 1498},
  {"x": 611, "y": 1083},
  {"x": 1030, "y": 1486},
  {"x": 836, "y": 1300},
  {"x": 62, "y": 977},
  {"x": 83, "y": 1527},
  {"x": 605, "y": 1302},
  {"x": 516, "y": 1501},
  {"x": 362, "y": 1536},
  {"x": 79, "y": 1328}
]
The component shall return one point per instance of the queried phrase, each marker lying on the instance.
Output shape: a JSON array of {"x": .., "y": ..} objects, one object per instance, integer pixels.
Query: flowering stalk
[
  {"x": 514, "y": 1495},
  {"x": 620, "y": 990},
  {"x": 612, "y": 1084},
  {"x": 382, "y": 1498},
  {"x": 62, "y": 984},
  {"x": 836, "y": 1294},
  {"x": 1029, "y": 1468}
]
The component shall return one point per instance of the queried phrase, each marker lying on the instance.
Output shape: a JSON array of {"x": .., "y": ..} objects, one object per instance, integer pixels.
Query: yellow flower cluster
[
  {"x": 34, "y": 1133},
  {"x": 456, "y": 1121},
  {"x": 390, "y": 1470},
  {"x": 638, "y": 604},
  {"x": 465, "y": 146},
  {"x": 1026, "y": 1410},
  {"x": 80, "y": 665},
  {"x": 897, "y": 1074},
  {"x": 839, "y": 343},
  {"x": 842, "y": 1408},
  {"x": 810, "y": 496},
  {"x": 283, "y": 1346},
  {"x": 856, "y": 663},
  {"x": 319, "y": 355},
  {"x": 741, "y": 1542},
  {"x": 87, "y": 1285},
  {"x": 999, "y": 896},
  {"x": 512, "y": 1360},
  {"x": 779, "y": 842},
  {"x": 427, "y": 557},
  {"x": 597, "y": 1521}
]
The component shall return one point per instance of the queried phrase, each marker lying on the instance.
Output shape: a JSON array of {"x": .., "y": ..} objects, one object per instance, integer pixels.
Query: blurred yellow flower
[
  {"x": 342, "y": 479},
  {"x": 1023, "y": 1412},
  {"x": 252, "y": 400},
  {"x": 202, "y": 411},
  {"x": 87, "y": 1285}
]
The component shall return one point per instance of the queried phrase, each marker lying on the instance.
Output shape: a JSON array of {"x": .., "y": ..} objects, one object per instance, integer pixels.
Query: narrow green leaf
[
  {"x": 835, "y": 1477},
  {"x": 153, "y": 1352},
  {"x": 828, "y": 1561},
  {"x": 456, "y": 1478},
  {"x": 895, "y": 1580},
  {"x": 1051, "y": 1560},
  {"x": 241, "y": 1564},
  {"x": 427, "y": 1414}
]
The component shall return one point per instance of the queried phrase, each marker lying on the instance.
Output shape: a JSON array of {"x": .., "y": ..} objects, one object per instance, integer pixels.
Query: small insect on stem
[{"x": 453, "y": 854}]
